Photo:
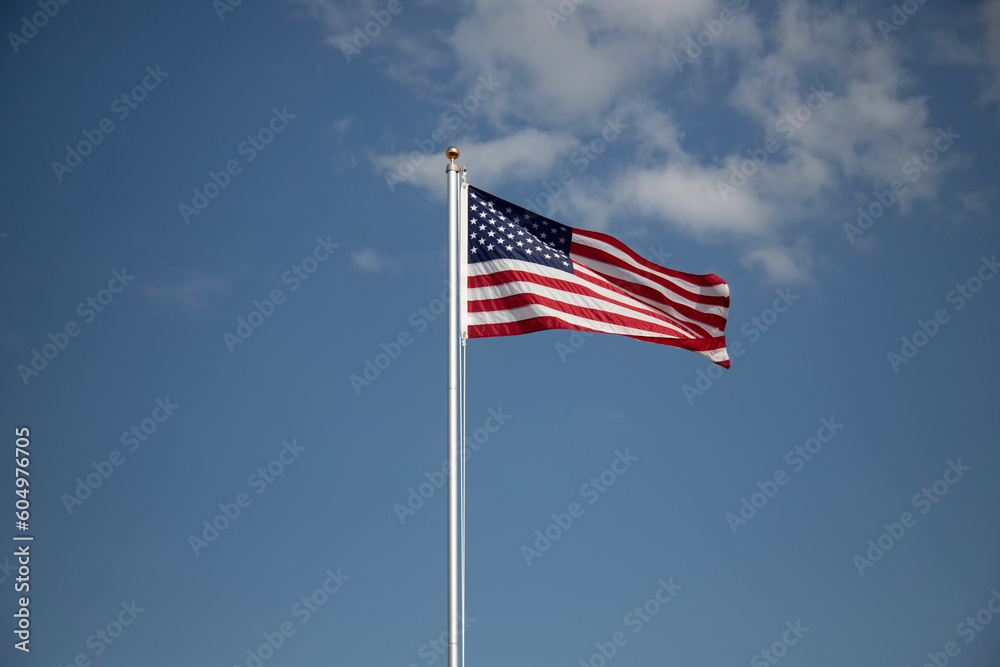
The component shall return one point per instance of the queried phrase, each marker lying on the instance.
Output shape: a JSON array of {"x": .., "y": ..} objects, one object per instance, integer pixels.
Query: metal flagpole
[{"x": 454, "y": 590}]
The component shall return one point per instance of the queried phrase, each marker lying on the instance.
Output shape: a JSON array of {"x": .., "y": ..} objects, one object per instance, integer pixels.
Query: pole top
[{"x": 451, "y": 153}]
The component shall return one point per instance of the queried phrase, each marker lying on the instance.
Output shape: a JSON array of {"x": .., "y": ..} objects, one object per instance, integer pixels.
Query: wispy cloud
[
  {"x": 370, "y": 260},
  {"x": 606, "y": 59},
  {"x": 188, "y": 289}
]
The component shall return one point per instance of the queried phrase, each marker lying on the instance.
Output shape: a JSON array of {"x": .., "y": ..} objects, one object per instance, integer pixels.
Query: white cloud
[
  {"x": 989, "y": 14},
  {"x": 560, "y": 76},
  {"x": 559, "y": 84},
  {"x": 868, "y": 128},
  {"x": 524, "y": 155},
  {"x": 187, "y": 288},
  {"x": 783, "y": 265},
  {"x": 971, "y": 38},
  {"x": 854, "y": 125},
  {"x": 371, "y": 261},
  {"x": 688, "y": 196},
  {"x": 979, "y": 202},
  {"x": 338, "y": 18},
  {"x": 343, "y": 125}
]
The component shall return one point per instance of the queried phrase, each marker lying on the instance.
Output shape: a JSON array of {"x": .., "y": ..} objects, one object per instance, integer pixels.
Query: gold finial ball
[{"x": 452, "y": 153}]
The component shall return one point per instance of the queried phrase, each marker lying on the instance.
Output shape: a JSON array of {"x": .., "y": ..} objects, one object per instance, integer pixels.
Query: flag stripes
[{"x": 586, "y": 281}]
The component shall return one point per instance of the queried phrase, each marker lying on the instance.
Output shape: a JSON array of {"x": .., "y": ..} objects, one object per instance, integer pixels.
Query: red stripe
[
  {"x": 622, "y": 275},
  {"x": 658, "y": 297},
  {"x": 603, "y": 256},
  {"x": 500, "y": 278},
  {"x": 575, "y": 285},
  {"x": 546, "y": 322},
  {"x": 704, "y": 280},
  {"x": 521, "y": 300},
  {"x": 598, "y": 255}
]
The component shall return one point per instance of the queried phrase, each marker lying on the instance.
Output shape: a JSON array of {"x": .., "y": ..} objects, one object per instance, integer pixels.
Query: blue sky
[{"x": 215, "y": 214}]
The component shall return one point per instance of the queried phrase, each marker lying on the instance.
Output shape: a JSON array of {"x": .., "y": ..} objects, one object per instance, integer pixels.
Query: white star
[{"x": 489, "y": 247}]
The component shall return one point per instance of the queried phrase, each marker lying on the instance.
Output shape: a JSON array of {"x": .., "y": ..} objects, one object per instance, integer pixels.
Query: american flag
[{"x": 528, "y": 273}]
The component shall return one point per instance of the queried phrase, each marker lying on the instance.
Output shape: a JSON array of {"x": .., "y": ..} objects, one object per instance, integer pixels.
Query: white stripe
[
  {"x": 710, "y": 290},
  {"x": 618, "y": 272},
  {"x": 537, "y": 310},
  {"x": 611, "y": 291},
  {"x": 529, "y": 312},
  {"x": 666, "y": 308},
  {"x": 715, "y": 355},
  {"x": 603, "y": 289},
  {"x": 571, "y": 298}
]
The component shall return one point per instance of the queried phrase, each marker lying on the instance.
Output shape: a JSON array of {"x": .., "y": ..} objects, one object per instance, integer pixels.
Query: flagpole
[{"x": 454, "y": 591}]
